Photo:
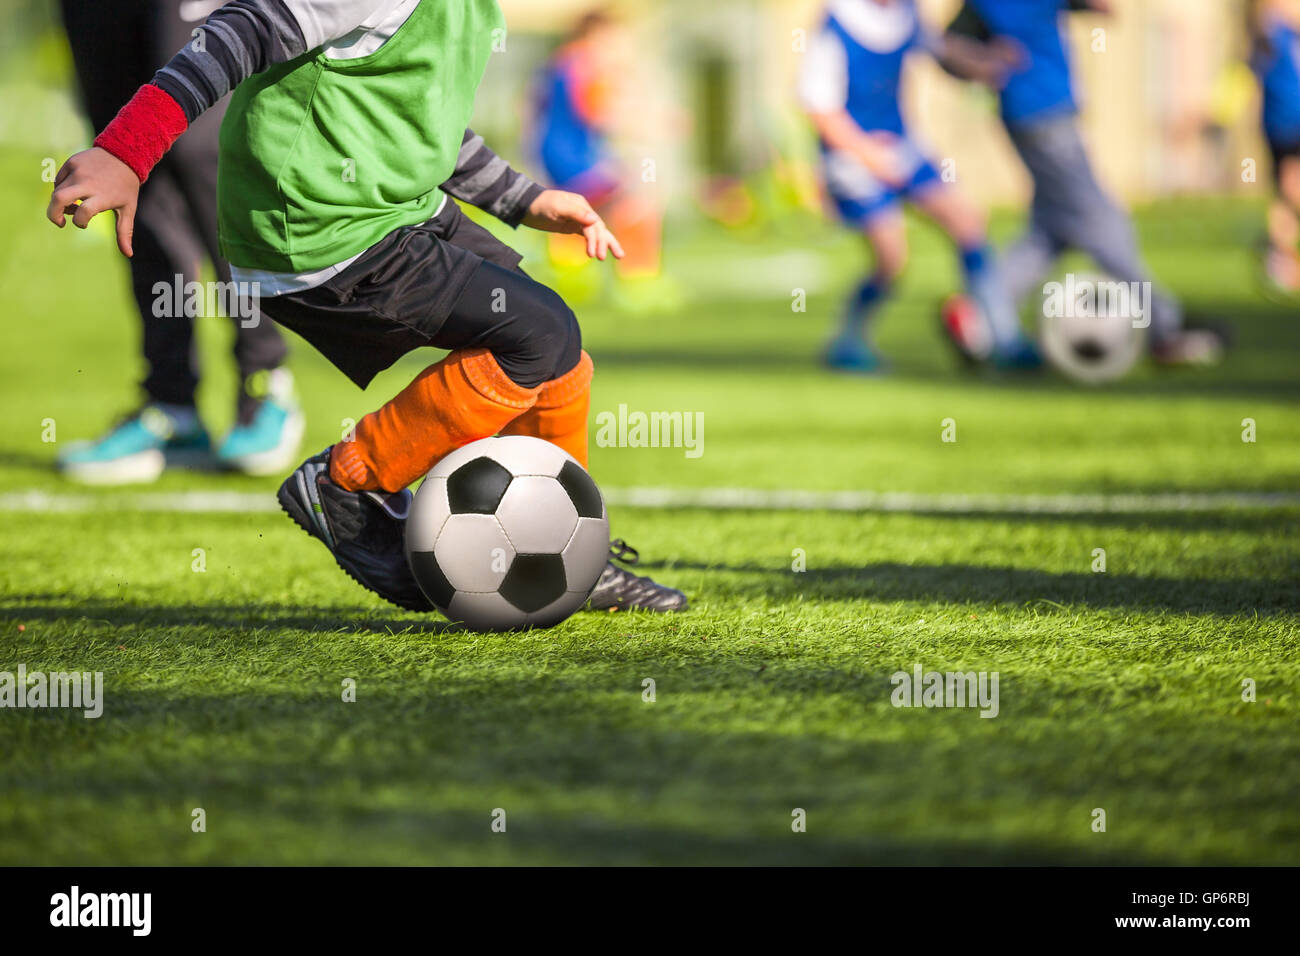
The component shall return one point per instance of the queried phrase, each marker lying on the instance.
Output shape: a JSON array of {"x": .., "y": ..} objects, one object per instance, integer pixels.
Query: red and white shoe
[{"x": 966, "y": 328}]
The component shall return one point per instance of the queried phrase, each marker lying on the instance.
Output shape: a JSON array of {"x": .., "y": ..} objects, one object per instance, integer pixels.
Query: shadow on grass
[
  {"x": 712, "y": 358},
  {"x": 887, "y": 581},
  {"x": 1278, "y": 521},
  {"x": 19, "y": 459},
  {"x": 347, "y": 620},
  {"x": 1262, "y": 521},
  {"x": 966, "y": 583},
  {"x": 435, "y": 836},
  {"x": 1263, "y": 329},
  {"x": 411, "y": 776}
]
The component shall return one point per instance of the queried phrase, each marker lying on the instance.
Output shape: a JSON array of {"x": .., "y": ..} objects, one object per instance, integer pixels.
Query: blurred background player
[
  {"x": 116, "y": 48},
  {"x": 1070, "y": 209},
  {"x": 1275, "y": 35},
  {"x": 576, "y": 99},
  {"x": 849, "y": 86}
]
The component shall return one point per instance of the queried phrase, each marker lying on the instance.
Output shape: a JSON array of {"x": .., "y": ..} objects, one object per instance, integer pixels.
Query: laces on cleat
[
  {"x": 620, "y": 590},
  {"x": 620, "y": 550}
]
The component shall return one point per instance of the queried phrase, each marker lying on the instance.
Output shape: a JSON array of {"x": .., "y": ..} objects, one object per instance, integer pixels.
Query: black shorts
[{"x": 396, "y": 297}]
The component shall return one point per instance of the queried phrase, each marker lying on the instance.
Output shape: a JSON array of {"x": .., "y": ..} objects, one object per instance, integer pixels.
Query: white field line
[{"x": 722, "y": 499}]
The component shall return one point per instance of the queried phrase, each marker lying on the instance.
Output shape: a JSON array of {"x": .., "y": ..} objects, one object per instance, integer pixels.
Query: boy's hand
[
  {"x": 557, "y": 211},
  {"x": 1006, "y": 56},
  {"x": 991, "y": 63},
  {"x": 880, "y": 153},
  {"x": 89, "y": 183}
]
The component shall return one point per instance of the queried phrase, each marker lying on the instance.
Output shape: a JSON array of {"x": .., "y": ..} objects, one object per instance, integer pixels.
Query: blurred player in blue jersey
[
  {"x": 849, "y": 86},
  {"x": 1070, "y": 208},
  {"x": 1275, "y": 33},
  {"x": 574, "y": 105}
]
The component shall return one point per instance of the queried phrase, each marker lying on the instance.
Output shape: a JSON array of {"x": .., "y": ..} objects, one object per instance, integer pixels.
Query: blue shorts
[{"x": 859, "y": 197}]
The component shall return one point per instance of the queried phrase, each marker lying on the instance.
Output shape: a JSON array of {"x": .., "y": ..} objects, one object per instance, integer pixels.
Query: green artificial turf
[{"x": 1119, "y": 690}]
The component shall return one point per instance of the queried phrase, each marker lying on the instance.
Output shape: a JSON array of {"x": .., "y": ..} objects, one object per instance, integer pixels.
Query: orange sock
[
  {"x": 560, "y": 415},
  {"x": 461, "y": 399}
]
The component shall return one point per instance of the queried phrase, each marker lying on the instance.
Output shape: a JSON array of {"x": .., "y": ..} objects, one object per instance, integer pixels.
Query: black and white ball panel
[
  {"x": 534, "y": 581},
  {"x": 432, "y": 581},
  {"x": 536, "y": 513},
  {"x": 478, "y": 535},
  {"x": 487, "y": 609},
  {"x": 508, "y": 532},
  {"x": 587, "y": 552},
  {"x": 518, "y": 454},
  {"x": 582, "y": 490},
  {"x": 477, "y": 487},
  {"x": 559, "y": 609},
  {"x": 429, "y": 512}
]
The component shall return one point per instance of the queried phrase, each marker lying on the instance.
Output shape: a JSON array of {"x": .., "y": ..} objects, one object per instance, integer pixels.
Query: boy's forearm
[
  {"x": 964, "y": 58},
  {"x": 484, "y": 179},
  {"x": 240, "y": 39},
  {"x": 143, "y": 130},
  {"x": 837, "y": 130}
]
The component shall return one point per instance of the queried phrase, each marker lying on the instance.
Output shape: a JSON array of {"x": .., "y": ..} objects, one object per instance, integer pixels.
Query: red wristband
[{"x": 144, "y": 129}]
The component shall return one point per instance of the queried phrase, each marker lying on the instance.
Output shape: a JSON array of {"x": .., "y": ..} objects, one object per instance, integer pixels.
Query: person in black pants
[{"x": 116, "y": 48}]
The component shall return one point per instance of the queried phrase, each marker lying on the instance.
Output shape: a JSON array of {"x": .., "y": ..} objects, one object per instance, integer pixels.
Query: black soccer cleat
[
  {"x": 364, "y": 530},
  {"x": 620, "y": 590}
]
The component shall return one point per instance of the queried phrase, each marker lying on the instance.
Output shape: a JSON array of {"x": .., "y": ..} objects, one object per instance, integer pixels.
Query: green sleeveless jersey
[{"x": 322, "y": 158}]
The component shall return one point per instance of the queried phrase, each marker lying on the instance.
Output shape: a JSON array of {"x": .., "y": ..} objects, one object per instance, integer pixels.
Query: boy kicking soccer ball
[
  {"x": 345, "y": 136},
  {"x": 1070, "y": 209},
  {"x": 849, "y": 87}
]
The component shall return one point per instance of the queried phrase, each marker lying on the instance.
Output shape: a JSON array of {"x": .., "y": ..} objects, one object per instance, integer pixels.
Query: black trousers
[
  {"x": 447, "y": 283},
  {"x": 117, "y": 45}
]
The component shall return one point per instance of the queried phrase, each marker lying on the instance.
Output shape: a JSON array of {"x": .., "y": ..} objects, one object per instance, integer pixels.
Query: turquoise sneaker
[
  {"x": 138, "y": 448},
  {"x": 268, "y": 443},
  {"x": 848, "y": 353}
]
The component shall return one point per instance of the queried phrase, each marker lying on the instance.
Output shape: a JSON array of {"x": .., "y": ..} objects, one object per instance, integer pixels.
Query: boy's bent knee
[
  {"x": 547, "y": 341},
  {"x": 530, "y": 331},
  {"x": 569, "y": 351}
]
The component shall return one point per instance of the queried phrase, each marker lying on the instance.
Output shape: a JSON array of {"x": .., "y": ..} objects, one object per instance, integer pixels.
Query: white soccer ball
[
  {"x": 507, "y": 533},
  {"x": 1090, "y": 331}
]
